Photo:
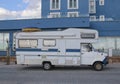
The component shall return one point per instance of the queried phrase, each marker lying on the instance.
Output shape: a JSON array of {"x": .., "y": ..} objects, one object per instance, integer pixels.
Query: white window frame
[
  {"x": 88, "y": 35},
  {"x": 92, "y": 18},
  {"x": 94, "y": 5},
  {"x": 55, "y": 8},
  {"x": 77, "y": 4},
  {"x": 101, "y": 2},
  {"x": 101, "y": 18},
  {"x": 28, "y": 44},
  {"x": 52, "y": 43},
  {"x": 53, "y": 13},
  {"x": 77, "y": 13}
]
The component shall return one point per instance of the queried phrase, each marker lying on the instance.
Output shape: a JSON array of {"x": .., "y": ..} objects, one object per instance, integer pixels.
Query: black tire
[
  {"x": 98, "y": 66},
  {"x": 47, "y": 66}
]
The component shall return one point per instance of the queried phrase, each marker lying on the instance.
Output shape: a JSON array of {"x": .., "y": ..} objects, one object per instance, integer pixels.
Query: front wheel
[
  {"x": 47, "y": 66},
  {"x": 98, "y": 66}
]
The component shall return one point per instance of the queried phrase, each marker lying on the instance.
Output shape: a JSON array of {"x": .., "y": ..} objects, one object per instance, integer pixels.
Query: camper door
[{"x": 61, "y": 47}]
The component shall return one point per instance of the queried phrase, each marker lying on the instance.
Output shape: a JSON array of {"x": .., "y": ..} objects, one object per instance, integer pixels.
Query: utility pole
[{"x": 8, "y": 56}]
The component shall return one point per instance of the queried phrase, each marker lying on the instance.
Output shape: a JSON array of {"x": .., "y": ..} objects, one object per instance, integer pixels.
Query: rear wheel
[
  {"x": 98, "y": 66},
  {"x": 47, "y": 66}
]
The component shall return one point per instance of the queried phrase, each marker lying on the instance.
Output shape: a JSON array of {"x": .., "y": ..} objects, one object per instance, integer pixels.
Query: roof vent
[{"x": 31, "y": 29}]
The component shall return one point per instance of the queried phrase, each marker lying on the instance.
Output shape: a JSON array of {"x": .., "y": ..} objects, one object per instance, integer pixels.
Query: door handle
[
  {"x": 38, "y": 55},
  {"x": 58, "y": 50},
  {"x": 82, "y": 53}
]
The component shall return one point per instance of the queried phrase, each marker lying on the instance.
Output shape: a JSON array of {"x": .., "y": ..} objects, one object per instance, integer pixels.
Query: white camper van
[{"x": 70, "y": 47}]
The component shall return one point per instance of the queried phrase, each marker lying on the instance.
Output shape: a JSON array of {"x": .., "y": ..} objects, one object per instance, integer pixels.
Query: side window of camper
[
  {"x": 28, "y": 43},
  {"x": 49, "y": 43},
  {"x": 88, "y": 35}
]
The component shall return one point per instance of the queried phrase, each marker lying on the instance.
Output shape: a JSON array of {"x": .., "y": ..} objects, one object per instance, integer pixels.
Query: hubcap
[
  {"x": 98, "y": 66},
  {"x": 47, "y": 66}
]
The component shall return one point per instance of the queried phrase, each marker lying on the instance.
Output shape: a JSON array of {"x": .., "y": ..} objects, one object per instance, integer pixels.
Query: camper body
[{"x": 70, "y": 47}]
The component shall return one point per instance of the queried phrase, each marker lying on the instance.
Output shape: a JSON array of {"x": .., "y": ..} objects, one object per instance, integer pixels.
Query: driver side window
[{"x": 85, "y": 48}]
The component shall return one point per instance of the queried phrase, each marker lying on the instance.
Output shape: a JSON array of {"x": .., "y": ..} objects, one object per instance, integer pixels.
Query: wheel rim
[
  {"x": 46, "y": 66},
  {"x": 98, "y": 66}
]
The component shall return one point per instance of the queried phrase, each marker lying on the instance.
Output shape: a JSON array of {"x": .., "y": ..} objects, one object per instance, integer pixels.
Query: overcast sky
[{"x": 20, "y": 9}]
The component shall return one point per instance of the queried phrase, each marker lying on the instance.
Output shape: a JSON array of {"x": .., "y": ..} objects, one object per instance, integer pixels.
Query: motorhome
[{"x": 69, "y": 47}]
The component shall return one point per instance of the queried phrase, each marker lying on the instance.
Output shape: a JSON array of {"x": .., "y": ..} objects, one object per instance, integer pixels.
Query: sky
[{"x": 20, "y": 9}]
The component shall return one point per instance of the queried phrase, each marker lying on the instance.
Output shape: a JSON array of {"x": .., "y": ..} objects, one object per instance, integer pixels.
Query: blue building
[{"x": 102, "y": 15}]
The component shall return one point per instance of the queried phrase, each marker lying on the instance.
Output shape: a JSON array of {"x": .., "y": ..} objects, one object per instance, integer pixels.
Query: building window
[
  {"x": 102, "y": 18},
  {"x": 73, "y": 14},
  {"x": 28, "y": 43},
  {"x": 54, "y": 15},
  {"x": 49, "y": 42},
  {"x": 92, "y": 6},
  {"x": 72, "y": 4},
  {"x": 92, "y": 18},
  {"x": 101, "y": 2},
  {"x": 55, "y": 4},
  {"x": 3, "y": 41}
]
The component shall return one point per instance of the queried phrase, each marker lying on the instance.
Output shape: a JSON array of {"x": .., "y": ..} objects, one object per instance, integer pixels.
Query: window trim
[
  {"x": 77, "y": 4},
  {"x": 101, "y": 18},
  {"x": 47, "y": 45},
  {"x": 93, "y": 17},
  {"x": 59, "y": 7},
  {"x": 54, "y": 13},
  {"x": 68, "y": 14},
  {"x": 27, "y": 39},
  {"x": 101, "y": 2},
  {"x": 90, "y": 7},
  {"x": 88, "y": 35}
]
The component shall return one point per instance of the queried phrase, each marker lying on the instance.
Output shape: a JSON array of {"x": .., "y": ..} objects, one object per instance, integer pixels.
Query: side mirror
[{"x": 103, "y": 49}]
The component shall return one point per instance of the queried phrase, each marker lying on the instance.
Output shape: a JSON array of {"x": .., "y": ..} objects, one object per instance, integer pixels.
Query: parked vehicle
[{"x": 70, "y": 47}]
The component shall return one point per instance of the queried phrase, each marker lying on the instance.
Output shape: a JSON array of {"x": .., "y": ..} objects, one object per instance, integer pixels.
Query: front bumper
[{"x": 105, "y": 61}]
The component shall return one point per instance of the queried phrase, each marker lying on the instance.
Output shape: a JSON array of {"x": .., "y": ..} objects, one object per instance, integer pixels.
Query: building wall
[
  {"x": 44, "y": 23},
  {"x": 106, "y": 28},
  {"x": 109, "y": 29},
  {"x": 83, "y": 8},
  {"x": 110, "y": 9}
]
